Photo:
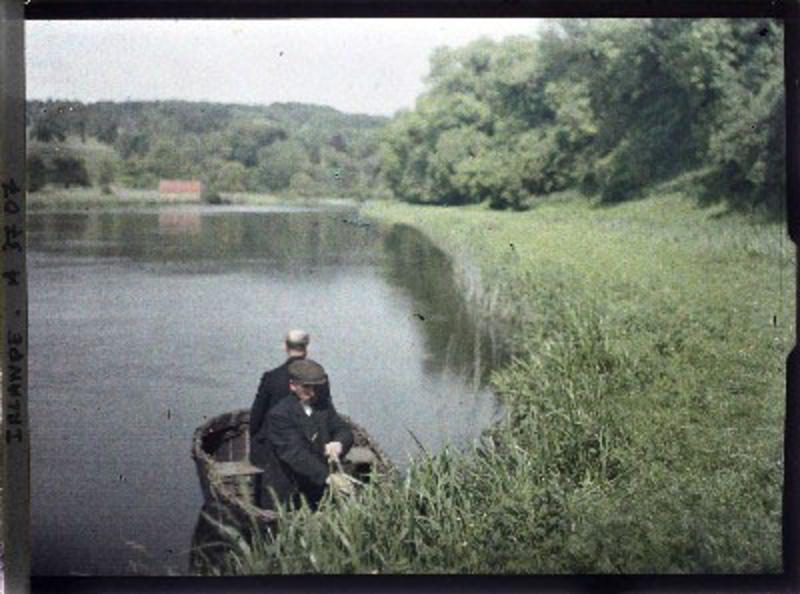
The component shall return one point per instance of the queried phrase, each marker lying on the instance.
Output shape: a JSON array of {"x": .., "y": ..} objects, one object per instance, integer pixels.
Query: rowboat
[{"x": 221, "y": 452}]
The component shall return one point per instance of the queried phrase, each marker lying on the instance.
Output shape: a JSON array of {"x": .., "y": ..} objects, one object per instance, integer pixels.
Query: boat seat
[
  {"x": 239, "y": 468},
  {"x": 357, "y": 455},
  {"x": 360, "y": 455}
]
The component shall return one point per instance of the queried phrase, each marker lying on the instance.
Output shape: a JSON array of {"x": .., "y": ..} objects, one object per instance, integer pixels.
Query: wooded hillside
[
  {"x": 305, "y": 149},
  {"x": 606, "y": 107}
]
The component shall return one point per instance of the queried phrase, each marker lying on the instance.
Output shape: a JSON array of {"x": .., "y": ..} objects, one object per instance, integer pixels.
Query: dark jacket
[
  {"x": 273, "y": 386},
  {"x": 299, "y": 440}
]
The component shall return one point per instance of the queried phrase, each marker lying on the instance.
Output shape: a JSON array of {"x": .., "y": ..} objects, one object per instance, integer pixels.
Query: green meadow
[{"x": 645, "y": 399}]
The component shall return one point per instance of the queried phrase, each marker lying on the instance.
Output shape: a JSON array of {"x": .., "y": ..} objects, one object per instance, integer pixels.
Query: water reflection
[
  {"x": 301, "y": 238},
  {"x": 457, "y": 338},
  {"x": 179, "y": 222},
  {"x": 148, "y": 322}
]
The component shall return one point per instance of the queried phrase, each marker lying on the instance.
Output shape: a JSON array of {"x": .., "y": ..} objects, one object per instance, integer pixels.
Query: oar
[{"x": 338, "y": 464}]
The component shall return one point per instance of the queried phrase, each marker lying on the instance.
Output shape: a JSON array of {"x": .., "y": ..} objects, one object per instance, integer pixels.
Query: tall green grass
[{"x": 645, "y": 403}]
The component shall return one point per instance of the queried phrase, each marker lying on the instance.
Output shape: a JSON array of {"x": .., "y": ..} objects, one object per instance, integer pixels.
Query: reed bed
[{"x": 645, "y": 403}]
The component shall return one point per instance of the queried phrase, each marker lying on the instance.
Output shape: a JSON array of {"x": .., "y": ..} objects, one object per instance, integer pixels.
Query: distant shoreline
[{"x": 85, "y": 198}]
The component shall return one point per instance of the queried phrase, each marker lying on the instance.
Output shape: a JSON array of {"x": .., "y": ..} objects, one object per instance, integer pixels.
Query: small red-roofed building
[{"x": 180, "y": 189}]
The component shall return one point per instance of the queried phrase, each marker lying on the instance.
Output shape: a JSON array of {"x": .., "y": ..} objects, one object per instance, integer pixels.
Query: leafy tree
[
  {"x": 132, "y": 143},
  {"x": 406, "y": 157},
  {"x": 166, "y": 160},
  {"x": 106, "y": 175},
  {"x": 748, "y": 150},
  {"x": 488, "y": 177},
  {"x": 69, "y": 170},
  {"x": 338, "y": 142},
  {"x": 303, "y": 184},
  {"x": 210, "y": 195},
  {"x": 232, "y": 176},
  {"x": 107, "y": 132},
  {"x": 246, "y": 139},
  {"x": 136, "y": 174},
  {"x": 747, "y": 145},
  {"x": 455, "y": 149},
  {"x": 612, "y": 106},
  {"x": 37, "y": 172},
  {"x": 278, "y": 162},
  {"x": 49, "y": 128}
]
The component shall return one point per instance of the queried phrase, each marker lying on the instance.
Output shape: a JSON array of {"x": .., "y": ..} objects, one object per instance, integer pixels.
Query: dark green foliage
[
  {"x": 279, "y": 162},
  {"x": 612, "y": 107},
  {"x": 107, "y": 132},
  {"x": 228, "y": 176},
  {"x": 69, "y": 170},
  {"x": 196, "y": 118},
  {"x": 136, "y": 174},
  {"x": 55, "y": 166},
  {"x": 748, "y": 150},
  {"x": 37, "y": 172},
  {"x": 246, "y": 139},
  {"x": 210, "y": 195},
  {"x": 48, "y": 129},
  {"x": 285, "y": 147},
  {"x": 55, "y": 120},
  {"x": 106, "y": 176},
  {"x": 132, "y": 144}
]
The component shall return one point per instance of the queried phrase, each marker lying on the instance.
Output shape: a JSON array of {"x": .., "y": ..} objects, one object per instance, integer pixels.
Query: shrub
[
  {"x": 37, "y": 173},
  {"x": 69, "y": 170},
  {"x": 106, "y": 176},
  {"x": 209, "y": 195}
]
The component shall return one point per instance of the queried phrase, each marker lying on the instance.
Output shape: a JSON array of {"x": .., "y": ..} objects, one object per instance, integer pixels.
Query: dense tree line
[
  {"x": 303, "y": 149},
  {"x": 609, "y": 107}
]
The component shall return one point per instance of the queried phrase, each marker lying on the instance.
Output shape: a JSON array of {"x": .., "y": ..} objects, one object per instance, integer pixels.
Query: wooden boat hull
[{"x": 221, "y": 451}]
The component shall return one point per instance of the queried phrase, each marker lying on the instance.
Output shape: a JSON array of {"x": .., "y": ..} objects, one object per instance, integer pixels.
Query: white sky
[{"x": 373, "y": 66}]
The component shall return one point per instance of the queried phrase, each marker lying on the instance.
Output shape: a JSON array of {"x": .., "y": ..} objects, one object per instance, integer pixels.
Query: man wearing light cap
[
  {"x": 272, "y": 388},
  {"x": 305, "y": 435},
  {"x": 274, "y": 384}
]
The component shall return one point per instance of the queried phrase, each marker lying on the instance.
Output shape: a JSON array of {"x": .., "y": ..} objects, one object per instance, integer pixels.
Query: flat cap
[{"x": 306, "y": 371}]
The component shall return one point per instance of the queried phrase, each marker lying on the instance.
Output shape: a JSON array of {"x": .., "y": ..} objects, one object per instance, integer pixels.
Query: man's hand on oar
[
  {"x": 333, "y": 449},
  {"x": 340, "y": 485},
  {"x": 338, "y": 479}
]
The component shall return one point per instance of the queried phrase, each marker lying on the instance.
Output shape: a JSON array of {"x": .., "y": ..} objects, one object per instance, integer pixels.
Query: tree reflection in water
[{"x": 458, "y": 338}]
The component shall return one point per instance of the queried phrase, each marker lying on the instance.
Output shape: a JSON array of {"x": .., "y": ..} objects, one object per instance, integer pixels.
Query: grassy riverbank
[{"x": 645, "y": 398}]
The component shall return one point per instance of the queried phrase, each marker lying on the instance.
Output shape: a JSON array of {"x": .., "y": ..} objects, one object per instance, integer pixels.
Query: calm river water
[{"x": 145, "y": 322}]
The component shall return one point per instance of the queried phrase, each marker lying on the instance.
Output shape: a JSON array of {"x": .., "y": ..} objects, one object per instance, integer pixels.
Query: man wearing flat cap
[
  {"x": 305, "y": 435},
  {"x": 272, "y": 388}
]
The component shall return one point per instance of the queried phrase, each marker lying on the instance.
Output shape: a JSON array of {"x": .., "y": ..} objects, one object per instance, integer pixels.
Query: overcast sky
[{"x": 373, "y": 66}]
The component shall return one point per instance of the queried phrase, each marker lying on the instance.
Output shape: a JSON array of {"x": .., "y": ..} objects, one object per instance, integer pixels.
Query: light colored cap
[{"x": 297, "y": 338}]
